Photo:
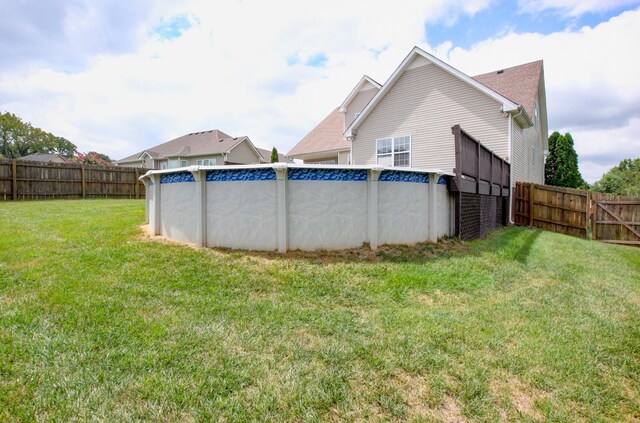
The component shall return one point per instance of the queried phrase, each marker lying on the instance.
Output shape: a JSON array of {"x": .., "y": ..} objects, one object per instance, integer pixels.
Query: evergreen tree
[
  {"x": 274, "y": 155},
  {"x": 561, "y": 167}
]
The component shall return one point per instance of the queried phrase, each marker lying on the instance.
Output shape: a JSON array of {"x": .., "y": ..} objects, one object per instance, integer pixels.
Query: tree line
[
  {"x": 19, "y": 139},
  {"x": 561, "y": 170}
]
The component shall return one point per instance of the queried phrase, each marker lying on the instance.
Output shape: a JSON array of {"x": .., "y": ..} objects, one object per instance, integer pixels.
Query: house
[
  {"x": 206, "y": 148},
  {"x": 407, "y": 122},
  {"x": 44, "y": 157},
  {"x": 325, "y": 144},
  {"x": 266, "y": 156}
]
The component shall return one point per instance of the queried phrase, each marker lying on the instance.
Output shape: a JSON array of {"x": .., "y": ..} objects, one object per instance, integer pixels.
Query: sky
[{"x": 118, "y": 77}]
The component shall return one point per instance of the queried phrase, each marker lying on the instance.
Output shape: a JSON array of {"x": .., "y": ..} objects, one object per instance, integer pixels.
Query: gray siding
[
  {"x": 243, "y": 154},
  {"x": 520, "y": 157},
  {"x": 358, "y": 104},
  {"x": 425, "y": 103},
  {"x": 528, "y": 142},
  {"x": 323, "y": 159},
  {"x": 343, "y": 157}
]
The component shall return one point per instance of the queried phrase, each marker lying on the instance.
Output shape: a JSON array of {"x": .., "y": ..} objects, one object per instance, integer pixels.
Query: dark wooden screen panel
[{"x": 482, "y": 185}]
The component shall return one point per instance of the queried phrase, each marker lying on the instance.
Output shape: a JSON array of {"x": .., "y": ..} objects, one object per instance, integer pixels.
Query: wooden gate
[
  {"x": 616, "y": 219},
  {"x": 562, "y": 210}
]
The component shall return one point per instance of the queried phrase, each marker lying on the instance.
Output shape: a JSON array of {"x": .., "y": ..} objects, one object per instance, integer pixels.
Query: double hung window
[{"x": 394, "y": 151}]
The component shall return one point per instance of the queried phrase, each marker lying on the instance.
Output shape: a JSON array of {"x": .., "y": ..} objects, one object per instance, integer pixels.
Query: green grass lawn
[{"x": 98, "y": 322}]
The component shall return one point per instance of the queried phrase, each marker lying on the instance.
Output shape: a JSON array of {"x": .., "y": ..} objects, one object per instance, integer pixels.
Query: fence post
[
  {"x": 14, "y": 179},
  {"x": 84, "y": 181},
  {"x": 432, "y": 218},
  {"x": 593, "y": 208},
  {"x": 136, "y": 187},
  {"x": 531, "y": 198},
  {"x": 200, "y": 178},
  {"x": 282, "y": 210},
  {"x": 372, "y": 206}
]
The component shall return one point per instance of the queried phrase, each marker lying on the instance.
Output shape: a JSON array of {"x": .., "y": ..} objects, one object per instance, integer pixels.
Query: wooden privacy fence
[
  {"x": 27, "y": 180},
  {"x": 562, "y": 210},
  {"x": 481, "y": 184},
  {"x": 616, "y": 219}
]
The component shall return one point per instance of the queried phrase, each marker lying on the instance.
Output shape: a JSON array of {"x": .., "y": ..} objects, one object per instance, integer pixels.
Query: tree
[
  {"x": 19, "y": 138},
  {"x": 623, "y": 179},
  {"x": 92, "y": 158},
  {"x": 561, "y": 167},
  {"x": 274, "y": 156}
]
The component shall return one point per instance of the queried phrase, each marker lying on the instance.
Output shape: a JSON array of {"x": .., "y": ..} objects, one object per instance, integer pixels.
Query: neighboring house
[
  {"x": 407, "y": 123},
  {"x": 207, "y": 148},
  {"x": 266, "y": 156},
  {"x": 45, "y": 157},
  {"x": 325, "y": 144}
]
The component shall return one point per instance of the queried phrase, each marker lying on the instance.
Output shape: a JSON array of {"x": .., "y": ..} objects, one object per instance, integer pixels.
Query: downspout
[{"x": 511, "y": 184}]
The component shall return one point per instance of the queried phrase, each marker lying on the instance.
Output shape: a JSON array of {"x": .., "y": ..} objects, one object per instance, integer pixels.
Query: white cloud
[
  {"x": 591, "y": 82},
  {"x": 229, "y": 71},
  {"x": 573, "y": 7}
]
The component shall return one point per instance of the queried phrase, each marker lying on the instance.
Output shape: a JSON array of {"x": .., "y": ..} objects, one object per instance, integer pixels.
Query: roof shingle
[
  {"x": 518, "y": 83},
  {"x": 193, "y": 144},
  {"x": 326, "y": 136}
]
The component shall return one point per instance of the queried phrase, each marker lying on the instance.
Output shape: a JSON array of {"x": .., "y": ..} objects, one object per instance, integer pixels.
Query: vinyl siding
[
  {"x": 193, "y": 161},
  {"x": 526, "y": 143},
  {"x": 343, "y": 157},
  {"x": 358, "y": 104},
  {"x": 519, "y": 168},
  {"x": 322, "y": 159},
  {"x": 426, "y": 102},
  {"x": 242, "y": 154}
]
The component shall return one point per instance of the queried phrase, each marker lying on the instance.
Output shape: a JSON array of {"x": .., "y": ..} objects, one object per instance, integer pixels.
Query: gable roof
[
  {"x": 417, "y": 53},
  {"x": 364, "y": 81},
  {"x": 42, "y": 157},
  {"x": 326, "y": 136},
  {"x": 518, "y": 83},
  {"x": 193, "y": 144},
  {"x": 266, "y": 156}
]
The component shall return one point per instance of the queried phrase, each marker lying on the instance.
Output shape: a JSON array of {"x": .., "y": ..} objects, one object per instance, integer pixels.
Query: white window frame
[
  {"x": 183, "y": 163},
  {"x": 393, "y": 152},
  {"x": 325, "y": 162},
  {"x": 206, "y": 162},
  {"x": 163, "y": 165},
  {"x": 533, "y": 155}
]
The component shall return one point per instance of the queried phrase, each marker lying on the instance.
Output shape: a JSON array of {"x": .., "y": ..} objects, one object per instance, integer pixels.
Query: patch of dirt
[
  {"x": 414, "y": 252},
  {"x": 426, "y": 299},
  {"x": 415, "y": 391},
  {"x": 521, "y": 396}
]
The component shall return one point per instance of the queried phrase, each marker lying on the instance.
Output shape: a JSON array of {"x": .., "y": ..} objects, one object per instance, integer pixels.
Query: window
[
  {"x": 394, "y": 152},
  {"x": 325, "y": 162},
  {"x": 163, "y": 166},
  {"x": 199, "y": 162},
  {"x": 533, "y": 156},
  {"x": 183, "y": 163},
  {"x": 206, "y": 162}
]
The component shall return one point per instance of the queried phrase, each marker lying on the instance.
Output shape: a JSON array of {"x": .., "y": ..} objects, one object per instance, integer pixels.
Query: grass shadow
[{"x": 527, "y": 239}]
